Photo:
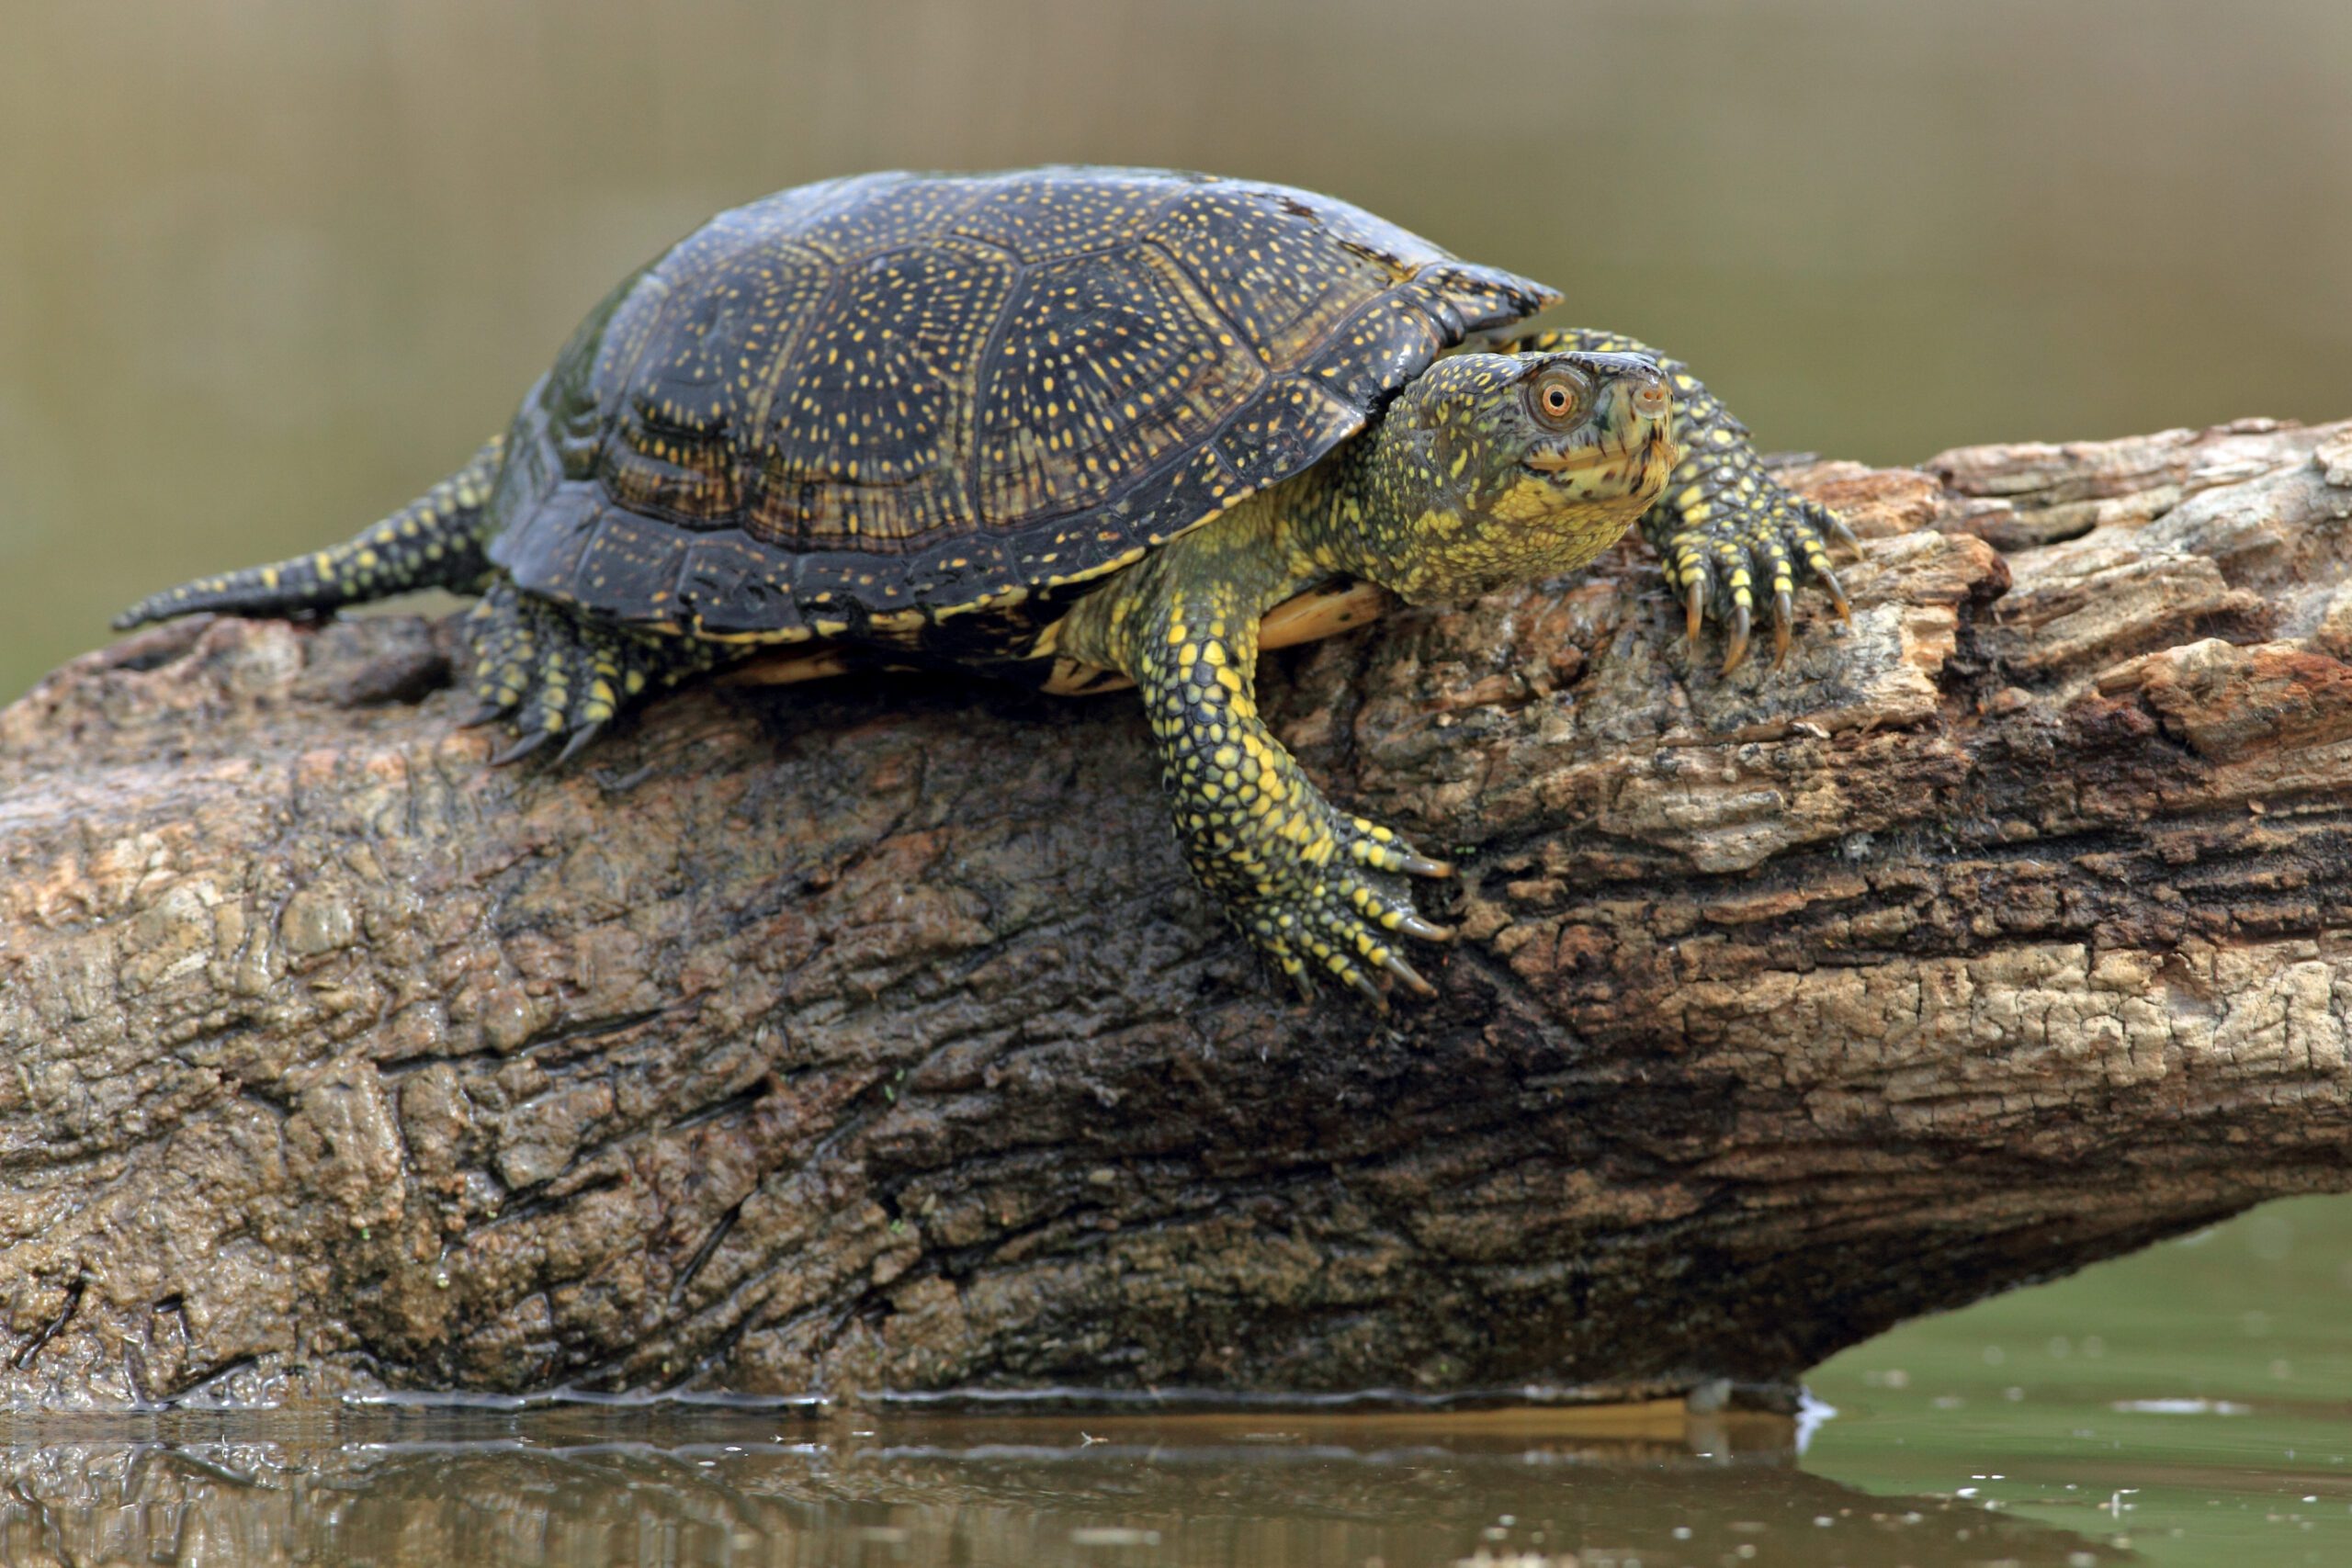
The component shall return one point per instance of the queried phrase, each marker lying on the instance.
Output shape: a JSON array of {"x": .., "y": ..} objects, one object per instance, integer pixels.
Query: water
[
  {"x": 267, "y": 268},
  {"x": 2189, "y": 1406},
  {"x": 1269, "y": 1495},
  {"x": 2195, "y": 1400}
]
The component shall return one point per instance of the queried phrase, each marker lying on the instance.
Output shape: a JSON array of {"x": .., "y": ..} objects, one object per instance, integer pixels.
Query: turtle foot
[
  {"x": 549, "y": 674},
  {"x": 1324, "y": 895}
]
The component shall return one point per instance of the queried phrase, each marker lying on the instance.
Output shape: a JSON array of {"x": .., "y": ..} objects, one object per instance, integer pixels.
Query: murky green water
[
  {"x": 2195, "y": 1400},
  {"x": 2190, "y": 1406},
  {"x": 268, "y": 267}
]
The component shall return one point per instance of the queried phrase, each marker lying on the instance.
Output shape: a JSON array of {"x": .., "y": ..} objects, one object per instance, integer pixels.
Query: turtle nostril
[{"x": 1651, "y": 400}]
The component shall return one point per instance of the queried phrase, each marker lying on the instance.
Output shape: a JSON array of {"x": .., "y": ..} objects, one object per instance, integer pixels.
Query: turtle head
[{"x": 1494, "y": 469}]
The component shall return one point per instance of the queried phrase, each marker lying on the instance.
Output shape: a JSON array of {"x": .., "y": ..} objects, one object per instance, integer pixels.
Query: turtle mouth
[
  {"x": 1593, "y": 455},
  {"x": 1567, "y": 462}
]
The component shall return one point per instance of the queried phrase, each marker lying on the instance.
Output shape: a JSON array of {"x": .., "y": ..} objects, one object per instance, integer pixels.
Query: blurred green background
[{"x": 268, "y": 267}]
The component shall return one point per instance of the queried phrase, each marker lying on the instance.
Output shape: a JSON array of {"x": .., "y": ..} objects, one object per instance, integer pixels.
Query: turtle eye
[{"x": 1556, "y": 397}]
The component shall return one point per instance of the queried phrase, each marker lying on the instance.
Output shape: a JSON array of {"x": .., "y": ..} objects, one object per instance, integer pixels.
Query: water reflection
[{"x": 598, "y": 1486}]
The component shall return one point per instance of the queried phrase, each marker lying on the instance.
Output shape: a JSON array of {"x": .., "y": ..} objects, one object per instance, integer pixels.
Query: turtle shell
[{"x": 875, "y": 402}]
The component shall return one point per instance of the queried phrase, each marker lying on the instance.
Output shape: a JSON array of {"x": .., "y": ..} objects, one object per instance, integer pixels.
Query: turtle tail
[{"x": 433, "y": 542}]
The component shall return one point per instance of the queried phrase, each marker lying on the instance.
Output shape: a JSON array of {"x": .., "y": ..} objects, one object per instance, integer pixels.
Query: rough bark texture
[{"x": 868, "y": 1036}]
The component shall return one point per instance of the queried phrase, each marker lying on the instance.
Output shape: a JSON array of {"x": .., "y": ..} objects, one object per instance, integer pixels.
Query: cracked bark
[{"x": 867, "y": 1038}]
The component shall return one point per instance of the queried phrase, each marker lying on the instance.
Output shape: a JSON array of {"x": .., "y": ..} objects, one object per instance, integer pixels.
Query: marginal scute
[
  {"x": 546, "y": 557},
  {"x": 728, "y": 585},
  {"x": 903, "y": 393}
]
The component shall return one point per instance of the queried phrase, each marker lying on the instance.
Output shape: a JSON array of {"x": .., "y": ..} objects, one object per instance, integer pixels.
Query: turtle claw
[
  {"x": 1367, "y": 990},
  {"x": 1718, "y": 574},
  {"x": 1372, "y": 845},
  {"x": 1837, "y": 592},
  {"x": 1738, "y": 652},
  {"x": 1837, "y": 530},
  {"x": 1409, "y": 976},
  {"x": 1413, "y": 925},
  {"x": 555, "y": 676},
  {"x": 578, "y": 741},
  {"x": 521, "y": 748}
]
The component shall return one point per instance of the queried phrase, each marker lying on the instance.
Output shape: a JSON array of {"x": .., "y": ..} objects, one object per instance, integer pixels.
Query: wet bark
[{"x": 866, "y": 1037}]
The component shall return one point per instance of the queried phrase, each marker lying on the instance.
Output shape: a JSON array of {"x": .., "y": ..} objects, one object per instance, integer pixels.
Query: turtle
[{"x": 1071, "y": 426}]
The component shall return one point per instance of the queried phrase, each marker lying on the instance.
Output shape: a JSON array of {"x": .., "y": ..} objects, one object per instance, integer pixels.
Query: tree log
[{"x": 867, "y": 1038}]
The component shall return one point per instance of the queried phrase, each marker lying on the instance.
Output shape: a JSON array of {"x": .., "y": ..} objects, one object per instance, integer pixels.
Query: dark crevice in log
[{"x": 31, "y": 1348}]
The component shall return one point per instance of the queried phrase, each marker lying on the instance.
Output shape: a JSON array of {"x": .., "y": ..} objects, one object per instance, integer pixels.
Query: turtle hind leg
[
  {"x": 553, "y": 674},
  {"x": 433, "y": 542}
]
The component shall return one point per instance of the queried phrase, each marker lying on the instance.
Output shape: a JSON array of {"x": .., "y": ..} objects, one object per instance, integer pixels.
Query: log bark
[{"x": 865, "y": 1039}]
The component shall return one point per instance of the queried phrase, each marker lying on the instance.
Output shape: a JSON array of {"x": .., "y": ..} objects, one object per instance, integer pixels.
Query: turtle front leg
[
  {"x": 1725, "y": 530},
  {"x": 1318, "y": 891}
]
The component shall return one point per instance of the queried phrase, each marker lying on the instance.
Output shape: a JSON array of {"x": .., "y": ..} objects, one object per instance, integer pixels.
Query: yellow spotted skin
[
  {"x": 433, "y": 542},
  {"x": 1733, "y": 540},
  {"x": 1462, "y": 487}
]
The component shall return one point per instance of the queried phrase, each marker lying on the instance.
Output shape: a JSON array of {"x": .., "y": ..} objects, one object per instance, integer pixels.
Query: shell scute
[
  {"x": 1109, "y": 367},
  {"x": 1060, "y": 212},
  {"x": 875, "y": 212},
  {"x": 869, "y": 423},
  {"x": 1270, "y": 268}
]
